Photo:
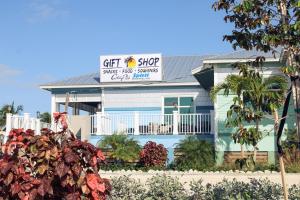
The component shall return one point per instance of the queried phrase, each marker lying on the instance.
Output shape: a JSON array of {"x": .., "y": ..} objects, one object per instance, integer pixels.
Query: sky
[{"x": 46, "y": 40}]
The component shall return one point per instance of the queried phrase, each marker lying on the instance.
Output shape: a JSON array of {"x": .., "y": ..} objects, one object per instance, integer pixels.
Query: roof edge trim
[
  {"x": 216, "y": 61},
  {"x": 119, "y": 85}
]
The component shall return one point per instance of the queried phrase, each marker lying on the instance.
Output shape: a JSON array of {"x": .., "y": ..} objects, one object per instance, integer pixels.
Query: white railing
[
  {"x": 139, "y": 123},
  {"x": 25, "y": 122}
]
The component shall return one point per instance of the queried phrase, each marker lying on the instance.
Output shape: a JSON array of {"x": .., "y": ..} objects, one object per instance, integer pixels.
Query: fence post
[
  {"x": 212, "y": 121},
  {"x": 175, "y": 122},
  {"x": 99, "y": 123},
  {"x": 26, "y": 121},
  {"x": 136, "y": 123},
  {"x": 8, "y": 125},
  {"x": 38, "y": 126}
]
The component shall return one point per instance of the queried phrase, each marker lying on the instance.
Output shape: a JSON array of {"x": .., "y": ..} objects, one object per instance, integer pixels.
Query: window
[{"x": 183, "y": 105}]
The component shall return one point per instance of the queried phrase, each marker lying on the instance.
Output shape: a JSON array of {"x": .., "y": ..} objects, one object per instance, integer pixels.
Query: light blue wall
[
  {"x": 132, "y": 109},
  {"x": 169, "y": 141}
]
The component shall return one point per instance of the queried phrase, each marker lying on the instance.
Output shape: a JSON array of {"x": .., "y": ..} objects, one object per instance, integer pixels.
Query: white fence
[
  {"x": 25, "y": 122},
  {"x": 152, "y": 124}
]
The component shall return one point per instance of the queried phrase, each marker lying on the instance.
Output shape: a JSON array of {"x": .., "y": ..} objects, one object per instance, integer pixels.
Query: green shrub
[
  {"x": 264, "y": 189},
  {"x": 258, "y": 189},
  {"x": 124, "y": 149},
  {"x": 196, "y": 154},
  {"x": 294, "y": 192},
  {"x": 228, "y": 190},
  {"x": 162, "y": 187},
  {"x": 125, "y": 188},
  {"x": 199, "y": 191}
]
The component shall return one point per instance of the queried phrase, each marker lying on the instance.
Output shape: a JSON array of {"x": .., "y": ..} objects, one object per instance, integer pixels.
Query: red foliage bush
[
  {"x": 153, "y": 155},
  {"x": 50, "y": 166}
]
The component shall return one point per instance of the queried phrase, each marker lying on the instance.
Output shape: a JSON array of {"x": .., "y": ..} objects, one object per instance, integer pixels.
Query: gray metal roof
[
  {"x": 244, "y": 54},
  {"x": 87, "y": 79},
  {"x": 175, "y": 69}
]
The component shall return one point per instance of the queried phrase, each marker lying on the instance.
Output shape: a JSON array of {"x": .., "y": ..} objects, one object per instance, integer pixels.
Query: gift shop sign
[{"x": 130, "y": 68}]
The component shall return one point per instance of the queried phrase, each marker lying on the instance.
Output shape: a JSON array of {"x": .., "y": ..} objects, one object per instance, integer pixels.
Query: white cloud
[
  {"x": 7, "y": 72},
  {"x": 45, "y": 10}
]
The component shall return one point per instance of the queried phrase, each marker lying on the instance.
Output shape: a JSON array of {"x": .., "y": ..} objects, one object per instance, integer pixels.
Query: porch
[
  {"x": 135, "y": 123},
  {"x": 141, "y": 123}
]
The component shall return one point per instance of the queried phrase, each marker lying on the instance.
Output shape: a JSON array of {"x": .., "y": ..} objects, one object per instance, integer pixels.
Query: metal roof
[
  {"x": 176, "y": 69},
  {"x": 244, "y": 54}
]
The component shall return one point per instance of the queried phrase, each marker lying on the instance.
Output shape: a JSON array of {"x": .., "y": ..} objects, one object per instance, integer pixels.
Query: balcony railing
[
  {"x": 139, "y": 123},
  {"x": 25, "y": 122}
]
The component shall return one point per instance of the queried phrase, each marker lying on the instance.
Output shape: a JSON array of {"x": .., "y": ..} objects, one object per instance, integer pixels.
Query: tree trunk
[
  {"x": 276, "y": 120},
  {"x": 255, "y": 146},
  {"x": 254, "y": 153},
  {"x": 242, "y": 151}
]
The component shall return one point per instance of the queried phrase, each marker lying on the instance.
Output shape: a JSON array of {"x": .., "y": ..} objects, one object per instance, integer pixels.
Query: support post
[
  {"x": 175, "y": 122},
  {"x": 212, "y": 121},
  {"x": 100, "y": 129},
  {"x": 8, "y": 126},
  {"x": 26, "y": 121},
  {"x": 136, "y": 123},
  {"x": 38, "y": 126}
]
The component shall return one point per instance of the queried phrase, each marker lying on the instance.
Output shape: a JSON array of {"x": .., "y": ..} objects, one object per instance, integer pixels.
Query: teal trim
[
  {"x": 76, "y": 90},
  {"x": 155, "y": 87},
  {"x": 204, "y": 109},
  {"x": 133, "y": 109}
]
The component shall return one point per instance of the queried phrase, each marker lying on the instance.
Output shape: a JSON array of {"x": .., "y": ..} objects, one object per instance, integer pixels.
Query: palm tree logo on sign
[{"x": 131, "y": 62}]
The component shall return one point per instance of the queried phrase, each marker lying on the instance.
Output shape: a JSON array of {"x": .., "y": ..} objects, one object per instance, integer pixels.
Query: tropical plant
[
  {"x": 9, "y": 108},
  {"x": 122, "y": 148},
  {"x": 195, "y": 154},
  {"x": 153, "y": 155},
  {"x": 50, "y": 166},
  {"x": 256, "y": 97}
]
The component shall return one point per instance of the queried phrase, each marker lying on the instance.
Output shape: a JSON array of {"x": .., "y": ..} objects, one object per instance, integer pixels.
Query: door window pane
[
  {"x": 170, "y": 110},
  {"x": 186, "y": 101},
  {"x": 171, "y": 101},
  {"x": 186, "y": 110}
]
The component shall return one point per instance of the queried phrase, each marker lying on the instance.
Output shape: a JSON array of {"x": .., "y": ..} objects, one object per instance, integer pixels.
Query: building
[{"x": 164, "y": 110}]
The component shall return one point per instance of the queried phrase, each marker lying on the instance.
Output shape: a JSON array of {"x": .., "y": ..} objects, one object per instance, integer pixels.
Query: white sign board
[{"x": 130, "y": 68}]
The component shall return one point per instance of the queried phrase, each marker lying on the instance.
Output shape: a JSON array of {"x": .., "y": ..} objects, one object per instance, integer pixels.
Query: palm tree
[
  {"x": 45, "y": 117},
  {"x": 256, "y": 96},
  {"x": 123, "y": 149},
  {"x": 9, "y": 108}
]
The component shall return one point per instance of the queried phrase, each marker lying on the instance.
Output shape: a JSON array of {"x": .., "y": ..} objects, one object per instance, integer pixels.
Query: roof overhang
[
  {"x": 218, "y": 61},
  {"x": 119, "y": 85},
  {"x": 205, "y": 76}
]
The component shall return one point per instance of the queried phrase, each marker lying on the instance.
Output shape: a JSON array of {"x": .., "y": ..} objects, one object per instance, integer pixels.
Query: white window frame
[{"x": 178, "y": 97}]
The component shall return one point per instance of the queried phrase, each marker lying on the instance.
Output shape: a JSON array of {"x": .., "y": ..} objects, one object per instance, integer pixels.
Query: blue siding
[
  {"x": 132, "y": 109},
  {"x": 204, "y": 109}
]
